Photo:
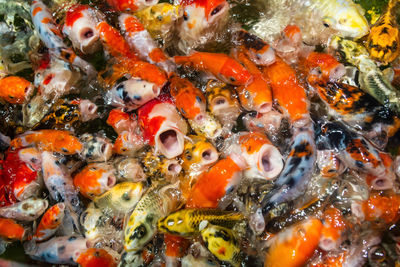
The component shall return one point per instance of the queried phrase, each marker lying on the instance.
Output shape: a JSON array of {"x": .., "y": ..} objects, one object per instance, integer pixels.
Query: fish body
[
  {"x": 222, "y": 243},
  {"x": 58, "y": 250},
  {"x": 26, "y": 210},
  {"x": 49, "y": 140},
  {"x": 189, "y": 222},
  {"x": 224, "y": 176},
  {"x": 163, "y": 127},
  {"x": 140, "y": 40},
  {"x": 219, "y": 65},
  {"x": 294, "y": 245},
  {"x": 93, "y": 257},
  {"x": 94, "y": 180},
  {"x": 190, "y": 101},
  {"x": 14, "y": 89},
  {"x": 297, "y": 171},
  {"x": 11, "y": 230},
  {"x": 80, "y": 27},
  {"x": 383, "y": 42},
  {"x": 142, "y": 223},
  {"x": 120, "y": 199},
  {"x": 49, "y": 223}
]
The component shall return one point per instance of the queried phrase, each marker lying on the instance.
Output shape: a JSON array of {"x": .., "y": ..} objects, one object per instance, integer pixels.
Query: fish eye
[
  {"x": 126, "y": 196},
  {"x": 140, "y": 232},
  {"x": 232, "y": 79},
  {"x": 103, "y": 148},
  {"x": 185, "y": 16},
  {"x": 326, "y": 24},
  {"x": 64, "y": 150},
  {"x": 170, "y": 222},
  {"x": 216, "y": 10}
]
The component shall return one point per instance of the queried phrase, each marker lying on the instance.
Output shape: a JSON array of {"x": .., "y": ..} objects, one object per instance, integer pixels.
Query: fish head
[
  {"x": 383, "y": 43},
  {"x": 95, "y": 257},
  {"x": 198, "y": 152},
  {"x": 349, "y": 22},
  {"x": 324, "y": 66},
  {"x": 139, "y": 231},
  {"x": 221, "y": 242},
  {"x": 173, "y": 224},
  {"x": 96, "y": 148},
  {"x": 126, "y": 194}
]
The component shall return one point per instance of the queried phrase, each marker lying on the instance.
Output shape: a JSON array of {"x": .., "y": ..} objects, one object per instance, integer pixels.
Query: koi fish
[
  {"x": 96, "y": 257},
  {"x": 191, "y": 102},
  {"x": 51, "y": 36},
  {"x": 330, "y": 69},
  {"x": 120, "y": 199},
  {"x": 128, "y": 143},
  {"x": 223, "y": 103},
  {"x": 120, "y": 121},
  {"x": 296, "y": 173},
  {"x": 49, "y": 223},
  {"x": 255, "y": 95},
  {"x": 220, "y": 66},
  {"x": 26, "y": 210},
  {"x": 222, "y": 243},
  {"x": 255, "y": 48},
  {"x": 15, "y": 90},
  {"x": 158, "y": 166},
  {"x": 140, "y": 40},
  {"x": 263, "y": 159},
  {"x": 96, "y": 225},
  {"x": 287, "y": 91},
  {"x": 163, "y": 127},
  {"x": 329, "y": 164},
  {"x": 11, "y": 230},
  {"x": 132, "y": 94},
  {"x": 131, "y": 5},
  {"x": 94, "y": 180},
  {"x": 290, "y": 44},
  {"x": 58, "y": 250},
  {"x": 294, "y": 245},
  {"x": 49, "y": 140},
  {"x": 190, "y": 222},
  {"x": 333, "y": 225},
  {"x": 224, "y": 175},
  {"x": 80, "y": 28},
  {"x": 175, "y": 248},
  {"x": 129, "y": 169},
  {"x": 96, "y": 148},
  {"x": 383, "y": 42},
  {"x": 141, "y": 226}
]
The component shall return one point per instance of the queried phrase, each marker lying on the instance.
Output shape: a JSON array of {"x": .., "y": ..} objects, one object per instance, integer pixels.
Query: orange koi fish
[
  {"x": 332, "y": 228},
  {"x": 329, "y": 68},
  {"x": 163, "y": 127},
  {"x": 287, "y": 91},
  {"x": 220, "y": 66},
  {"x": 94, "y": 180},
  {"x": 255, "y": 95},
  {"x": 289, "y": 44},
  {"x": 49, "y": 140},
  {"x": 223, "y": 176},
  {"x": 131, "y": 5},
  {"x": 140, "y": 40},
  {"x": 11, "y": 230},
  {"x": 295, "y": 245},
  {"x": 49, "y": 223},
  {"x": 120, "y": 121},
  {"x": 96, "y": 257},
  {"x": 14, "y": 89},
  {"x": 191, "y": 102},
  {"x": 175, "y": 247},
  {"x": 329, "y": 164}
]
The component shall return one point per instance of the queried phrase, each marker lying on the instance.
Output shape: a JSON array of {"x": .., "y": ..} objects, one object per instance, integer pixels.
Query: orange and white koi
[
  {"x": 128, "y": 143},
  {"x": 11, "y": 230},
  {"x": 324, "y": 66},
  {"x": 96, "y": 257},
  {"x": 329, "y": 164},
  {"x": 94, "y": 180},
  {"x": 224, "y": 176},
  {"x": 256, "y": 49},
  {"x": 14, "y": 89},
  {"x": 219, "y": 65},
  {"x": 333, "y": 225},
  {"x": 27, "y": 210},
  {"x": 51, "y": 36},
  {"x": 80, "y": 27},
  {"x": 49, "y": 223},
  {"x": 289, "y": 45},
  {"x": 163, "y": 127},
  {"x": 131, "y": 5},
  {"x": 121, "y": 121},
  {"x": 295, "y": 245},
  {"x": 49, "y": 140},
  {"x": 190, "y": 101},
  {"x": 255, "y": 95},
  {"x": 140, "y": 40},
  {"x": 288, "y": 92},
  {"x": 383, "y": 182}
]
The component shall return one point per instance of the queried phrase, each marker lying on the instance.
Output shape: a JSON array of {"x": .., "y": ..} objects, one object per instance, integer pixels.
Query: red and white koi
[
  {"x": 49, "y": 223},
  {"x": 163, "y": 127},
  {"x": 140, "y": 40}
]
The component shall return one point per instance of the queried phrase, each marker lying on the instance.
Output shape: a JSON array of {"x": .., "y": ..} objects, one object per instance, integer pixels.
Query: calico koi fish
[
  {"x": 140, "y": 40},
  {"x": 224, "y": 175},
  {"x": 383, "y": 42},
  {"x": 15, "y": 90},
  {"x": 220, "y": 66},
  {"x": 190, "y": 101},
  {"x": 190, "y": 222},
  {"x": 94, "y": 180},
  {"x": 49, "y": 140},
  {"x": 163, "y": 127},
  {"x": 49, "y": 223},
  {"x": 26, "y": 210},
  {"x": 294, "y": 245},
  {"x": 296, "y": 173}
]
